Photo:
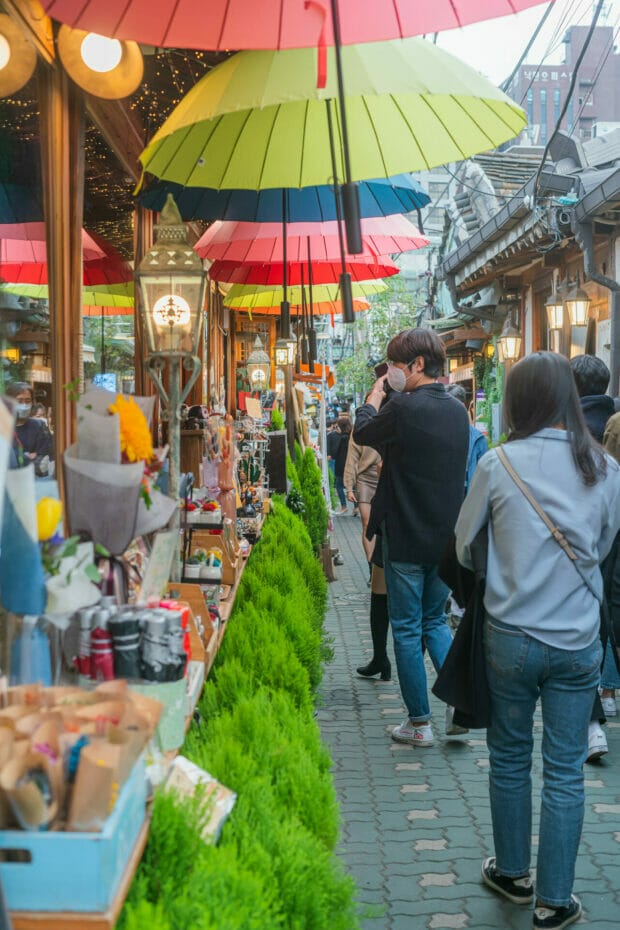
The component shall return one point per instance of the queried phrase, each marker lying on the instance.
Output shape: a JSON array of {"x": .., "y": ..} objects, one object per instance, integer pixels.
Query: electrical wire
[
  {"x": 506, "y": 84},
  {"x": 571, "y": 88},
  {"x": 597, "y": 74}
]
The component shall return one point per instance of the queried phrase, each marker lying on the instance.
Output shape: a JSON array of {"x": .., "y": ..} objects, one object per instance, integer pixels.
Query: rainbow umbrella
[
  {"x": 254, "y": 296},
  {"x": 316, "y": 204},
  {"x": 103, "y": 265},
  {"x": 298, "y": 273},
  {"x": 117, "y": 295},
  {"x": 270, "y": 24},
  {"x": 263, "y": 242},
  {"x": 258, "y": 120},
  {"x": 25, "y": 243},
  {"x": 321, "y": 308}
]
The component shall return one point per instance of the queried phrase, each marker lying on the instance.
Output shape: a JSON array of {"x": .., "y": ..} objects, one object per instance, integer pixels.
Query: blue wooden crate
[{"x": 75, "y": 871}]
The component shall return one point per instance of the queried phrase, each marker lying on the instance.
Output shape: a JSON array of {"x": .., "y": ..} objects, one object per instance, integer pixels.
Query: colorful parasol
[
  {"x": 317, "y": 204},
  {"x": 25, "y": 243},
  {"x": 298, "y": 273},
  {"x": 103, "y": 265},
  {"x": 250, "y": 296},
  {"x": 118, "y": 295},
  {"x": 270, "y": 24},
  {"x": 263, "y": 242},
  {"x": 322, "y": 308},
  {"x": 258, "y": 120}
]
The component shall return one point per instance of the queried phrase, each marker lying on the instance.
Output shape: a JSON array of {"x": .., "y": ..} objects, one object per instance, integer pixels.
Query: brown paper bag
[
  {"x": 24, "y": 694},
  {"x": 32, "y": 809},
  {"x": 131, "y": 743},
  {"x": 96, "y": 786}
]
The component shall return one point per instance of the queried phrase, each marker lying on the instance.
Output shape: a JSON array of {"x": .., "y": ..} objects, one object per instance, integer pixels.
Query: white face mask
[
  {"x": 23, "y": 411},
  {"x": 396, "y": 378}
]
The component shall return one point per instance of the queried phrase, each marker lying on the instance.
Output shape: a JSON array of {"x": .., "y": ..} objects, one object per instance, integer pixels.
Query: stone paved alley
[{"x": 416, "y": 822}]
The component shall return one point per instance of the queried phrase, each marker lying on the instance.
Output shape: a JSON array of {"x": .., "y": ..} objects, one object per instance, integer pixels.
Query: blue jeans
[
  {"x": 520, "y": 670},
  {"x": 339, "y": 485},
  {"x": 610, "y": 679},
  {"x": 417, "y": 607}
]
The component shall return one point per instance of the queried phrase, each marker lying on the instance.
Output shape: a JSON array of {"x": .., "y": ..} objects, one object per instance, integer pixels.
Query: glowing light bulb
[
  {"x": 100, "y": 53},
  {"x": 5, "y": 52},
  {"x": 171, "y": 310}
]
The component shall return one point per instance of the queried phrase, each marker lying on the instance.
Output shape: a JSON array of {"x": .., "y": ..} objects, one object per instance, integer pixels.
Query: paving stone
[{"x": 443, "y": 789}]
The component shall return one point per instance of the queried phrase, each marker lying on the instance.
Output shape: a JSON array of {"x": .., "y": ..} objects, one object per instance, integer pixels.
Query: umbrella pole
[
  {"x": 305, "y": 355},
  {"x": 311, "y": 330},
  {"x": 285, "y": 307},
  {"x": 346, "y": 295},
  {"x": 350, "y": 192},
  {"x": 102, "y": 343}
]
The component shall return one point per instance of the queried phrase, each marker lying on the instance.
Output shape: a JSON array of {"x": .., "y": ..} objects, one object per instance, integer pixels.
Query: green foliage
[
  {"x": 277, "y": 420},
  {"x": 316, "y": 516},
  {"x": 489, "y": 376},
  {"x": 292, "y": 474},
  {"x": 119, "y": 350},
  {"x": 333, "y": 497},
  {"x": 274, "y": 867}
]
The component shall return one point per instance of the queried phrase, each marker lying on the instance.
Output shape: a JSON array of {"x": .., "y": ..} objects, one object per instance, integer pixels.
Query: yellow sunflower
[{"x": 136, "y": 442}]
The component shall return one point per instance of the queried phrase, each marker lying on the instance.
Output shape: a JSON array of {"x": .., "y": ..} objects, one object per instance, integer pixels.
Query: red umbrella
[
  {"x": 239, "y": 24},
  {"x": 25, "y": 242},
  {"x": 257, "y": 243},
  {"x": 320, "y": 308},
  {"x": 298, "y": 273}
]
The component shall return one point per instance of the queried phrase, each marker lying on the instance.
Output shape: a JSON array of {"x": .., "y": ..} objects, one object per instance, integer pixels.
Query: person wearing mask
[
  {"x": 422, "y": 435},
  {"x": 541, "y": 636},
  {"x": 32, "y": 440}
]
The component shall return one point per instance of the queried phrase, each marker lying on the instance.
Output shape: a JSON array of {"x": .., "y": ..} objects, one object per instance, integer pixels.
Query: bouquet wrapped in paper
[{"x": 108, "y": 471}]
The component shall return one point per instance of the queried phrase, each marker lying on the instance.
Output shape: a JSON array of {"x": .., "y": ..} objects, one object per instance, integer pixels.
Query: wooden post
[
  {"x": 62, "y": 162},
  {"x": 142, "y": 242}
]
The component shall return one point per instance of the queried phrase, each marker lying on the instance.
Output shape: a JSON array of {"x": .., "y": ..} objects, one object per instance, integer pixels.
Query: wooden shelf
[{"x": 74, "y": 920}]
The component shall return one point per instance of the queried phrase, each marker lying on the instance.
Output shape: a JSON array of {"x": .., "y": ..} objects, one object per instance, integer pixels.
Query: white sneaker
[
  {"x": 597, "y": 742},
  {"x": 418, "y": 734},
  {"x": 609, "y": 706},
  {"x": 453, "y": 729}
]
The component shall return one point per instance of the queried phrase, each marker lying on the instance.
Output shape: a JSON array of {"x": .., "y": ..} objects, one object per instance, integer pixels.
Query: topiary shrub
[
  {"x": 316, "y": 516},
  {"x": 274, "y": 867},
  {"x": 276, "y": 422}
]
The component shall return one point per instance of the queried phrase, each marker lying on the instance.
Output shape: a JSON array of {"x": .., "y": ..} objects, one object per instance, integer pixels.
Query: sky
[{"x": 494, "y": 47}]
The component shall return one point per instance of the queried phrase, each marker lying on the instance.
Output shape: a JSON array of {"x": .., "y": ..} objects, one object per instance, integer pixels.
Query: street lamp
[
  {"x": 555, "y": 312},
  {"x": 281, "y": 353},
  {"x": 171, "y": 279},
  {"x": 578, "y": 305},
  {"x": 510, "y": 342}
]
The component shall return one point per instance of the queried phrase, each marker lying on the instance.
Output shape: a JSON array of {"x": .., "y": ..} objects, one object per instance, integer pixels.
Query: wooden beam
[
  {"x": 62, "y": 163},
  {"x": 30, "y": 16},
  {"x": 122, "y": 129}
]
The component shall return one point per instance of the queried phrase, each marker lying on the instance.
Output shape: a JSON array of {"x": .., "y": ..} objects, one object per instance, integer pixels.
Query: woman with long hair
[{"x": 542, "y": 629}]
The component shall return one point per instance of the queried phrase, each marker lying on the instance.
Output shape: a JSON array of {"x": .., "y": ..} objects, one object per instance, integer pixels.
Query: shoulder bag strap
[{"x": 557, "y": 534}]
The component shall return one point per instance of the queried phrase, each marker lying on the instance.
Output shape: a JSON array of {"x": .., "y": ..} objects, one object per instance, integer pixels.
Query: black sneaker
[
  {"x": 554, "y": 918},
  {"x": 517, "y": 890}
]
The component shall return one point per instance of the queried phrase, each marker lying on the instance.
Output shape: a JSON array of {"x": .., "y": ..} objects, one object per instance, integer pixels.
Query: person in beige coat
[{"x": 361, "y": 476}]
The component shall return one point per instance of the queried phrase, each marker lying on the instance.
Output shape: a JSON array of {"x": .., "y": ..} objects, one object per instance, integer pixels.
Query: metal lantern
[
  {"x": 281, "y": 352},
  {"x": 259, "y": 366},
  {"x": 172, "y": 285},
  {"x": 510, "y": 342},
  {"x": 555, "y": 312},
  {"x": 578, "y": 306}
]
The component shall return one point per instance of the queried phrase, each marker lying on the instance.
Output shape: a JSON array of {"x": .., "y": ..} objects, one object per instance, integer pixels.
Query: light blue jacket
[{"x": 531, "y": 583}]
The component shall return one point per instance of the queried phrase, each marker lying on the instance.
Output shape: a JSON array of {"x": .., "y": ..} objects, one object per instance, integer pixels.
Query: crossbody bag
[{"x": 566, "y": 547}]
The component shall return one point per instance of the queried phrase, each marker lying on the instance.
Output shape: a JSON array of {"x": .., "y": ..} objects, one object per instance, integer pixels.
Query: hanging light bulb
[
  {"x": 555, "y": 312},
  {"x": 100, "y": 53},
  {"x": 578, "y": 305},
  {"x": 510, "y": 342},
  {"x": 18, "y": 57}
]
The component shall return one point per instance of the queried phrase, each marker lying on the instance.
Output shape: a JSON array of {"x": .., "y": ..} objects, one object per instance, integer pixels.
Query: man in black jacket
[
  {"x": 422, "y": 434},
  {"x": 592, "y": 379}
]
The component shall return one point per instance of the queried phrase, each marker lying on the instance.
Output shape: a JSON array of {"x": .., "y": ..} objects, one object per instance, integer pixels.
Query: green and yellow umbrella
[
  {"x": 109, "y": 295},
  {"x": 259, "y": 121},
  {"x": 254, "y": 296}
]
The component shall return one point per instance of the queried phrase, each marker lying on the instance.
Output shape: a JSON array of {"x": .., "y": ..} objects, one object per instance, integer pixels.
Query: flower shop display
[
  {"x": 203, "y": 512},
  {"x": 108, "y": 472}
]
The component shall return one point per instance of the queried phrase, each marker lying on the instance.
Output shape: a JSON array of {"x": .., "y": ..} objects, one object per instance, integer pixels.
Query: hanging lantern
[
  {"x": 172, "y": 282},
  {"x": 510, "y": 342},
  {"x": 555, "y": 312},
  {"x": 259, "y": 366},
  {"x": 578, "y": 306},
  {"x": 281, "y": 353}
]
